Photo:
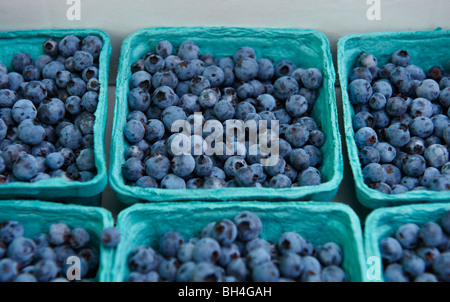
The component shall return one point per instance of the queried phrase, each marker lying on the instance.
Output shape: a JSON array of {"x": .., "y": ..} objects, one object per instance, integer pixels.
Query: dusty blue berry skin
[
  {"x": 9, "y": 269},
  {"x": 431, "y": 234},
  {"x": 172, "y": 181},
  {"x": 394, "y": 273},
  {"x": 369, "y": 155},
  {"x": 436, "y": 155},
  {"x": 133, "y": 169},
  {"x": 51, "y": 111},
  {"x": 360, "y": 91},
  {"x": 285, "y": 87},
  {"x": 142, "y": 259},
  {"x": 391, "y": 249},
  {"x": 428, "y": 89},
  {"x": 23, "y": 109},
  {"x": 373, "y": 173},
  {"x": 290, "y": 242},
  {"x": 31, "y": 73},
  {"x": 360, "y": 73},
  {"x": 366, "y": 137},
  {"x": 138, "y": 99}
]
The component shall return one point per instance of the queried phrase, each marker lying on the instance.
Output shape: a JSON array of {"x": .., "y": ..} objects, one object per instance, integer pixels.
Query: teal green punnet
[
  {"x": 305, "y": 48},
  {"x": 87, "y": 193},
  {"x": 426, "y": 49},
  {"x": 36, "y": 217},
  {"x": 317, "y": 222},
  {"x": 384, "y": 222}
]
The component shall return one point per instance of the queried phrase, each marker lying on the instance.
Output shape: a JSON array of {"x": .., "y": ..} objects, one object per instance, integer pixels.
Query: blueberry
[
  {"x": 266, "y": 272},
  {"x": 414, "y": 166},
  {"x": 142, "y": 259},
  {"x": 415, "y": 146},
  {"x": 21, "y": 250},
  {"x": 285, "y": 87},
  {"x": 430, "y": 234},
  {"x": 21, "y": 60},
  {"x": 387, "y": 152},
  {"x": 9, "y": 270},
  {"x": 333, "y": 274},
  {"x": 77, "y": 87},
  {"x": 312, "y": 78},
  {"x": 51, "y": 111},
  {"x": 280, "y": 181},
  {"x": 369, "y": 155},
  {"x": 133, "y": 169},
  {"x": 183, "y": 165},
  {"x": 208, "y": 98},
  {"x": 416, "y": 72},
  {"x": 408, "y": 235},
  {"x": 54, "y": 160},
  {"x": 391, "y": 249},
  {"x": 224, "y": 232},
  {"x": 299, "y": 159},
  {"x": 310, "y": 177},
  {"x": 69, "y": 45},
  {"x": 401, "y": 58},
  {"x": 290, "y": 242},
  {"x": 92, "y": 45},
  {"x": 394, "y": 273},
  {"x": 428, "y": 89},
  {"x": 398, "y": 75},
  {"x": 396, "y": 106},
  {"x": 360, "y": 91},
  {"x": 23, "y": 109},
  {"x": 214, "y": 75},
  {"x": 164, "y": 97},
  {"x": 9, "y": 230},
  {"x": 436, "y": 155},
  {"x": 15, "y": 80},
  {"x": 154, "y": 63},
  {"x": 25, "y": 167},
  {"x": 291, "y": 265},
  {"x": 188, "y": 50},
  {"x": 398, "y": 134},
  {"x": 224, "y": 110},
  {"x": 366, "y": 137},
  {"x": 171, "y": 181},
  {"x": 360, "y": 73},
  {"x": 426, "y": 277},
  {"x": 367, "y": 60},
  {"x": 266, "y": 70},
  {"x": 154, "y": 130},
  {"x": 206, "y": 250},
  {"x": 377, "y": 101},
  {"x": 138, "y": 99},
  {"x": 311, "y": 267}
]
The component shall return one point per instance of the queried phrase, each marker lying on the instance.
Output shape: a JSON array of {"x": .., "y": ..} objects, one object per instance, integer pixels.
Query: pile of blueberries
[
  {"x": 401, "y": 124},
  {"x": 233, "y": 251},
  {"x": 419, "y": 254},
  {"x": 44, "y": 258},
  {"x": 47, "y": 110},
  {"x": 166, "y": 87}
]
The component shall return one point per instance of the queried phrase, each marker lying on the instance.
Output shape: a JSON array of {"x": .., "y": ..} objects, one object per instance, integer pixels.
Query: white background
[{"x": 335, "y": 18}]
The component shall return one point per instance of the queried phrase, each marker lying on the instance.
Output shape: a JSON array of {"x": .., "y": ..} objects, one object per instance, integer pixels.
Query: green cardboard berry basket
[
  {"x": 317, "y": 222},
  {"x": 306, "y": 48},
  {"x": 427, "y": 49},
  {"x": 37, "y": 216},
  {"x": 88, "y": 193},
  {"x": 384, "y": 222}
]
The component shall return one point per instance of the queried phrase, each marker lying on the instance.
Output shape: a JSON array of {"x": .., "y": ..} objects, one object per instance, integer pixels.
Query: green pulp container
[
  {"x": 427, "y": 49},
  {"x": 317, "y": 222},
  {"x": 37, "y": 216},
  {"x": 305, "y": 48},
  {"x": 56, "y": 189},
  {"x": 384, "y": 222}
]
